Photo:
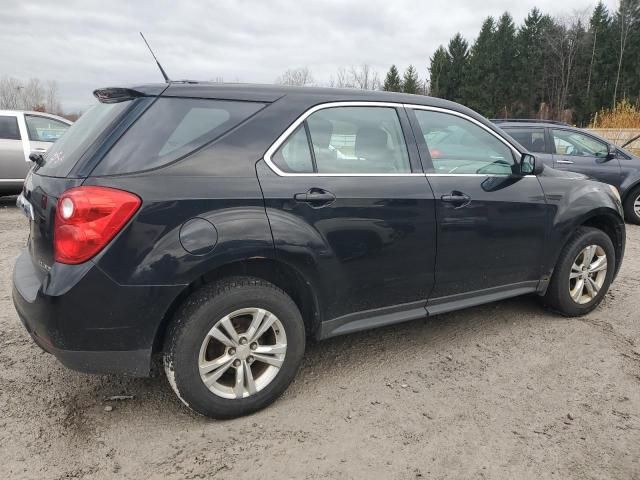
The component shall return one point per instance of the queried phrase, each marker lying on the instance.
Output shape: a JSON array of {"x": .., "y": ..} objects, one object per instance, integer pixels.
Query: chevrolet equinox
[{"x": 223, "y": 225}]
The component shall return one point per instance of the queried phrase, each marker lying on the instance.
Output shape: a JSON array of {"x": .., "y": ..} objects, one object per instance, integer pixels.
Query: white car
[{"x": 23, "y": 133}]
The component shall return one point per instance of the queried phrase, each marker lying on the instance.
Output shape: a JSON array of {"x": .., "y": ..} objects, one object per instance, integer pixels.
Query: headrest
[{"x": 370, "y": 140}]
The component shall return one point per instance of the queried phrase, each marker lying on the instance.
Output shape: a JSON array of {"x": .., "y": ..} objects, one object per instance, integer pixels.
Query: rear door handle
[
  {"x": 315, "y": 196},
  {"x": 459, "y": 199},
  {"x": 566, "y": 162}
]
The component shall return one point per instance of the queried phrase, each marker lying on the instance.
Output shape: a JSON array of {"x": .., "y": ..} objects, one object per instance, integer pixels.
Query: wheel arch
[
  {"x": 613, "y": 226},
  {"x": 283, "y": 275}
]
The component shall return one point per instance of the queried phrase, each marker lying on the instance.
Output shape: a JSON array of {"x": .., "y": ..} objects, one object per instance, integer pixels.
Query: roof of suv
[{"x": 271, "y": 93}]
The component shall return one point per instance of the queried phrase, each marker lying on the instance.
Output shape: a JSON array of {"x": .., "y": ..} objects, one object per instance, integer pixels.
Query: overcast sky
[{"x": 86, "y": 44}]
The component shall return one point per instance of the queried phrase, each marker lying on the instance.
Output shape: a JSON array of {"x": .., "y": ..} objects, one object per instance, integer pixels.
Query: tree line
[
  {"x": 564, "y": 68},
  {"x": 33, "y": 94}
]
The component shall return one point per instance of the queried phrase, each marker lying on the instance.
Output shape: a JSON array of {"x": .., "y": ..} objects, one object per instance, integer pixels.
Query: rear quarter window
[{"x": 171, "y": 129}]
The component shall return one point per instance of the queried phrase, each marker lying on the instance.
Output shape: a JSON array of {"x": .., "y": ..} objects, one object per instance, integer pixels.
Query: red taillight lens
[{"x": 87, "y": 218}]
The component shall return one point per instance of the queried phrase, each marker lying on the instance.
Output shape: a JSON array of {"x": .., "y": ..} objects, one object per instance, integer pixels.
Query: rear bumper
[{"x": 90, "y": 323}]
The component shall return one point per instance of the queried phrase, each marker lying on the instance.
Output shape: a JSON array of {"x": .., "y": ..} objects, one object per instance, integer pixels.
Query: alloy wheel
[
  {"x": 588, "y": 273},
  {"x": 636, "y": 206},
  {"x": 242, "y": 353}
]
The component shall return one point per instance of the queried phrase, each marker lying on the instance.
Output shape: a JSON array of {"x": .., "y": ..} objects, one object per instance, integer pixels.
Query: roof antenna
[{"x": 164, "y": 74}]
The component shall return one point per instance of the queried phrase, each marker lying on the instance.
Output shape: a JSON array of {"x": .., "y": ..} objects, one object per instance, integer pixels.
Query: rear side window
[
  {"x": 346, "y": 140},
  {"x": 65, "y": 153},
  {"x": 9, "y": 128},
  {"x": 533, "y": 139},
  {"x": 170, "y": 129},
  {"x": 295, "y": 156}
]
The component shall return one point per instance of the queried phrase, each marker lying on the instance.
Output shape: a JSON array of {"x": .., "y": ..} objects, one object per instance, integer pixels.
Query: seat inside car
[{"x": 371, "y": 145}]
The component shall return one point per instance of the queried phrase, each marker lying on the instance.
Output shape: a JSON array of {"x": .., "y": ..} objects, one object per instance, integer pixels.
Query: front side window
[
  {"x": 9, "y": 128},
  {"x": 459, "y": 146},
  {"x": 44, "y": 129},
  {"x": 568, "y": 142},
  {"x": 533, "y": 139},
  {"x": 346, "y": 140}
]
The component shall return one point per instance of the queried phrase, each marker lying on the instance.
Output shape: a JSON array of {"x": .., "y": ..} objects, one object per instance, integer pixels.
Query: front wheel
[
  {"x": 632, "y": 206},
  {"x": 234, "y": 347},
  {"x": 583, "y": 273}
]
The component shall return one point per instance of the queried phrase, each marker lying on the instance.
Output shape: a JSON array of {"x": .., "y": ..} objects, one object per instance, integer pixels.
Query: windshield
[{"x": 65, "y": 153}]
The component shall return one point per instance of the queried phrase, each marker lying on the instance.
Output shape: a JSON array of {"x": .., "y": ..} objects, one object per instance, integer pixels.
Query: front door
[
  {"x": 491, "y": 223},
  {"x": 578, "y": 152},
  {"x": 347, "y": 202}
]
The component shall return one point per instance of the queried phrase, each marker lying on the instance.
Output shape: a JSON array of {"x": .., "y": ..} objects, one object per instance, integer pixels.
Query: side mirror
[
  {"x": 36, "y": 158},
  {"x": 611, "y": 152},
  {"x": 529, "y": 165}
]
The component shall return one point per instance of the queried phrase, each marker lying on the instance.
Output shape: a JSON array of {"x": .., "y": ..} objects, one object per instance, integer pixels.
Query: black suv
[
  {"x": 223, "y": 225},
  {"x": 564, "y": 147}
]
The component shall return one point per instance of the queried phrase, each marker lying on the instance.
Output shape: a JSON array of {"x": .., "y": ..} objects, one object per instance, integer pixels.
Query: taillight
[{"x": 87, "y": 218}]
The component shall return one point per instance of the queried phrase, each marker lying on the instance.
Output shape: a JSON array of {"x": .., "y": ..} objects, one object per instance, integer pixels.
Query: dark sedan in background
[{"x": 564, "y": 147}]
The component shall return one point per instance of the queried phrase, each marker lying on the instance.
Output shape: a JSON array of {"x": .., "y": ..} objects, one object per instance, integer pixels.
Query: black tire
[
  {"x": 629, "y": 211},
  {"x": 558, "y": 295},
  {"x": 196, "y": 318}
]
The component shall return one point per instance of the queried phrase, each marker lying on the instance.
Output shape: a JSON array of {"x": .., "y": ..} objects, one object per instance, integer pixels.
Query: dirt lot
[{"x": 500, "y": 391}]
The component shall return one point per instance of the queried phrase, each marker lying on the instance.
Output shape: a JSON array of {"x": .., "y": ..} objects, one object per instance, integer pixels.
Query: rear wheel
[
  {"x": 632, "y": 206},
  {"x": 583, "y": 273},
  {"x": 234, "y": 347}
]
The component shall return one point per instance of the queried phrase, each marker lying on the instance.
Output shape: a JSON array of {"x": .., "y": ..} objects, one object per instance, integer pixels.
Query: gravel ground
[{"x": 500, "y": 391}]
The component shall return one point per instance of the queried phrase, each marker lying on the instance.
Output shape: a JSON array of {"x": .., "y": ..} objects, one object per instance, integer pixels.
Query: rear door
[
  {"x": 13, "y": 166},
  {"x": 578, "y": 152},
  {"x": 347, "y": 199},
  {"x": 491, "y": 223}
]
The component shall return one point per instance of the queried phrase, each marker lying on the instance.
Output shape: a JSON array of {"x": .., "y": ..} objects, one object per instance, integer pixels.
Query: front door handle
[
  {"x": 566, "y": 162},
  {"x": 315, "y": 196},
  {"x": 459, "y": 199}
]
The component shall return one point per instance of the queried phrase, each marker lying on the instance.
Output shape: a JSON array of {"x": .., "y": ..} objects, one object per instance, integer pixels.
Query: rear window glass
[
  {"x": 170, "y": 129},
  {"x": 64, "y": 153}
]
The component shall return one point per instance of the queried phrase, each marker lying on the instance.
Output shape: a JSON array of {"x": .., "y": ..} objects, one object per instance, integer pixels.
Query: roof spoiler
[
  {"x": 633, "y": 139},
  {"x": 115, "y": 95}
]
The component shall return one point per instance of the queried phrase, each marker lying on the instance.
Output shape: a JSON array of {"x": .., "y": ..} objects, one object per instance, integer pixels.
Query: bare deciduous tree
[
  {"x": 364, "y": 78},
  {"x": 32, "y": 95},
  {"x": 341, "y": 80},
  {"x": 296, "y": 77}
]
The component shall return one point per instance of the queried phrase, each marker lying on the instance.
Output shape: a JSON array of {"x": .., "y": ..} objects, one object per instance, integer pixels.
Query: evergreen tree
[
  {"x": 530, "y": 45},
  {"x": 459, "y": 58},
  {"x": 547, "y": 68},
  {"x": 392, "y": 82},
  {"x": 410, "y": 81},
  {"x": 439, "y": 70},
  {"x": 505, "y": 52},
  {"x": 481, "y": 76}
]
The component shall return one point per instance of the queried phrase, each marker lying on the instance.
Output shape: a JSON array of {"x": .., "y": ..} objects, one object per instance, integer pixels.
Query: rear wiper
[{"x": 631, "y": 141}]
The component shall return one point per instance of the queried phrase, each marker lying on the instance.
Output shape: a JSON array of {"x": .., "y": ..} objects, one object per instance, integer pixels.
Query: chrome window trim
[{"x": 322, "y": 106}]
